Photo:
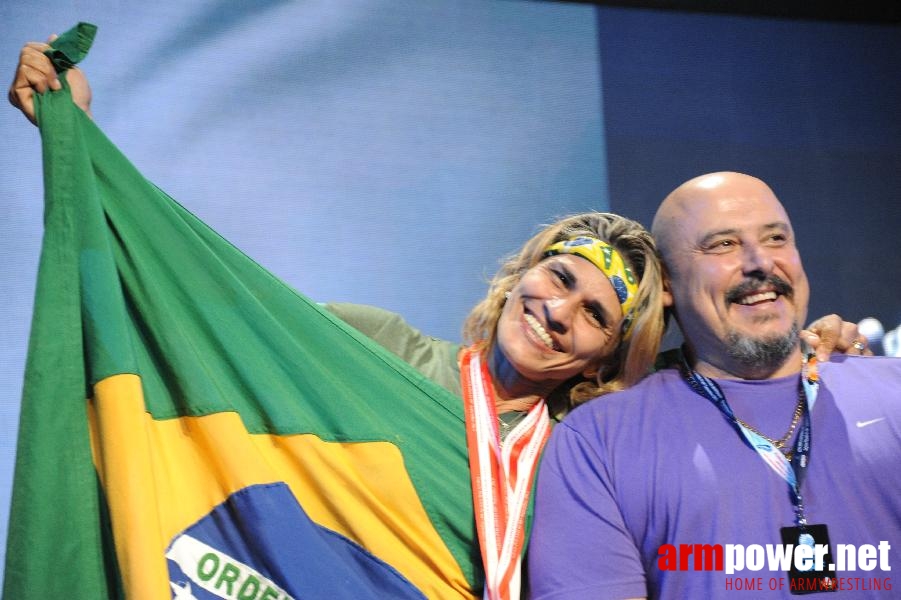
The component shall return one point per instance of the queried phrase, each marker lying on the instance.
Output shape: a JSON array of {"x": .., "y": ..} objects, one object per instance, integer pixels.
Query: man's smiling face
[{"x": 735, "y": 277}]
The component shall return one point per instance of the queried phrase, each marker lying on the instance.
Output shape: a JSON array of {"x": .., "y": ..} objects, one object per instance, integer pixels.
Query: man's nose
[{"x": 756, "y": 259}]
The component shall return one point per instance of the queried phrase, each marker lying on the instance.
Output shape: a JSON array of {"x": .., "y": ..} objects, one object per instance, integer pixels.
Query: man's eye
[
  {"x": 721, "y": 245},
  {"x": 596, "y": 315}
]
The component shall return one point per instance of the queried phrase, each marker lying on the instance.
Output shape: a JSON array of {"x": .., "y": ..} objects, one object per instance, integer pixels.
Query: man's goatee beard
[{"x": 762, "y": 354}]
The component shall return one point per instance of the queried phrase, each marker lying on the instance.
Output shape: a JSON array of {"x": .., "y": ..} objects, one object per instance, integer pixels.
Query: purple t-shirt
[{"x": 658, "y": 464}]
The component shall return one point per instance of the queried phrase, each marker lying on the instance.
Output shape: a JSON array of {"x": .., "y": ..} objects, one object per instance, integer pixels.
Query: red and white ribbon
[{"x": 502, "y": 475}]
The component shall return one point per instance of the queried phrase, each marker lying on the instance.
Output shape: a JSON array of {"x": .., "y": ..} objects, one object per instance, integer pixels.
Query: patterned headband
[{"x": 611, "y": 263}]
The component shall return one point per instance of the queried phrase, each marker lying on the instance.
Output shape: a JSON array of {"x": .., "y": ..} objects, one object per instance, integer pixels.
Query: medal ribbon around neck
[
  {"x": 501, "y": 474},
  {"x": 793, "y": 471}
]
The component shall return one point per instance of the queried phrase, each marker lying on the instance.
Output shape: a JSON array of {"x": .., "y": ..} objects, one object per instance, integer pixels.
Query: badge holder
[{"x": 810, "y": 580}]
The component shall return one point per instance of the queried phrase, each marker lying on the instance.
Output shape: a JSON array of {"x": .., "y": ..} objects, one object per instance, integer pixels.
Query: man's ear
[
  {"x": 667, "y": 298},
  {"x": 667, "y": 290}
]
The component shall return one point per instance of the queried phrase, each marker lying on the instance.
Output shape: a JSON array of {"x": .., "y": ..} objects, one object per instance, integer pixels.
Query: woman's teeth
[{"x": 540, "y": 331}]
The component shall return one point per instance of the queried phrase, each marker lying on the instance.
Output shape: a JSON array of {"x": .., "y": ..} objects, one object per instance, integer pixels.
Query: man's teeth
[
  {"x": 540, "y": 331},
  {"x": 762, "y": 297}
]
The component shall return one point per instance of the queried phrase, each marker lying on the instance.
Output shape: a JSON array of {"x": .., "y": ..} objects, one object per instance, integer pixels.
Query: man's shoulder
[
  {"x": 658, "y": 387},
  {"x": 863, "y": 384},
  {"x": 877, "y": 369}
]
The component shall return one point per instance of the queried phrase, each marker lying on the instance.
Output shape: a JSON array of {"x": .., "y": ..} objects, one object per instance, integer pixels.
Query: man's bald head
[
  {"x": 696, "y": 192},
  {"x": 734, "y": 276}
]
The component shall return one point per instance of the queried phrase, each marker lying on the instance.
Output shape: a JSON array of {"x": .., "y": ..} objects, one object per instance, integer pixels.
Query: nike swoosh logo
[{"x": 870, "y": 422}]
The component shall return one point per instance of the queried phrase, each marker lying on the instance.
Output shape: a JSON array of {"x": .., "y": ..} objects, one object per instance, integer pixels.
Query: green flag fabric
[{"x": 192, "y": 427}]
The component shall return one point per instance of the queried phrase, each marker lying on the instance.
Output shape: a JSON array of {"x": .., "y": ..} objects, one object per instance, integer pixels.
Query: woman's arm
[{"x": 35, "y": 74}]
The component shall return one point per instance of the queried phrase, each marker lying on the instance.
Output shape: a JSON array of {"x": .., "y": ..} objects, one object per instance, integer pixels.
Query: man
[{"x": 708, "y": 466}]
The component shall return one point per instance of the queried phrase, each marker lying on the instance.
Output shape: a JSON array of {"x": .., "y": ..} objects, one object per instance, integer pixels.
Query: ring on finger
[{"x": 858, "y": 345}]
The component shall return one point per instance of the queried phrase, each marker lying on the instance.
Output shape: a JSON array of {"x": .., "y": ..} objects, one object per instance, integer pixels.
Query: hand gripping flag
[{"x": 192, "y": 427}]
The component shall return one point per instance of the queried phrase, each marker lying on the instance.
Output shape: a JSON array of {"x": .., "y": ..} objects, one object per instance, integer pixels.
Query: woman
[{"x": 575, "y": 314}]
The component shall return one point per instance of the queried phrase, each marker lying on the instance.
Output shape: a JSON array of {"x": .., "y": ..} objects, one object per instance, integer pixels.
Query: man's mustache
[{"x": 749, "y": 286}]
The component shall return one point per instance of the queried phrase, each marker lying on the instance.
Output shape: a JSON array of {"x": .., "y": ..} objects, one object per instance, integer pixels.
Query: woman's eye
[
  {"x": 596, "y": 315},
  {"x": 562, "y": 277}
]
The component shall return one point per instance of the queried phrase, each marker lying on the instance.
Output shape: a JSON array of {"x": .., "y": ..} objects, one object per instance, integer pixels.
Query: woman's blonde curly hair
[{"x": 633, "y": 357}]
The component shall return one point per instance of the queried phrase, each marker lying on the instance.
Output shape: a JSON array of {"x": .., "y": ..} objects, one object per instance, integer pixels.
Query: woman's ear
[{"x": 596, "y": 372}]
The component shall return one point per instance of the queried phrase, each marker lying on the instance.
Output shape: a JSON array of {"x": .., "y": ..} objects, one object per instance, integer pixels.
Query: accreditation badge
[{"x": 818, "y": 573}]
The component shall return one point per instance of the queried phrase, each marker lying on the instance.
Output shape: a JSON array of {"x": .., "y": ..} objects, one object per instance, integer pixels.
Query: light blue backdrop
[{"x": 385, "y": 152}]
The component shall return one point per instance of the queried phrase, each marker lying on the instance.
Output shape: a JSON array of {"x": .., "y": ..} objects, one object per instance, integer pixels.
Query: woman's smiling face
[{"x": 562, "y": 319}]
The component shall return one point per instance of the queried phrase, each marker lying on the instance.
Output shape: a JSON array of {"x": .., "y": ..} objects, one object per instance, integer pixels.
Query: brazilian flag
[{"x": 192, "y": 427}]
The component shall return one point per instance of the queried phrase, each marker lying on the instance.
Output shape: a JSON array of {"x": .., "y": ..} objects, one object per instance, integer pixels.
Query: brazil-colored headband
[{"x": 610, "y": 262}]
